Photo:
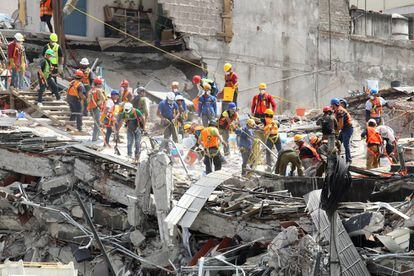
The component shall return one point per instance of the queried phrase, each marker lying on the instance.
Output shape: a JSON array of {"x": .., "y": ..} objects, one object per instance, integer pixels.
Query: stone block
[
  {"x": 137, "y": 238},
  {"x": 109, "y": 217},
  {"x": 58, "y": 184}
]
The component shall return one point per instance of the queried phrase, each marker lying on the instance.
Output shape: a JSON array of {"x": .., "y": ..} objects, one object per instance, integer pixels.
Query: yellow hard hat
[
  {"x": 262, "y": 85},
  {"x": 207, "y": 86},
  {"x": 250, "y": 122},
  {"x": 53, "y": 37},
  {"x": 314, "y": 139},
  {"x": 227, "y": 67},
  {"x": 269, "y": 112},
  {"x": 298, "y": 138},
  {"x": 187, "y": 126}
]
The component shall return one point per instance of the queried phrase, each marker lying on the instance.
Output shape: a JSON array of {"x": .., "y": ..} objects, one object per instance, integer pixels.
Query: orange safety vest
[
  {"x": 46, "y": 7},
  {"x": 343, "y": 112},
  {"x": 85, "y": 79},
  {"x": 271, "y": 129},
  {"x": 373, "y": 137},
  {"x": 376, "y": 109},
  {"x": 261, "y": 106},
  {"x": 223, "y": 120},
  {"x": 313, "y": 150},
  {"x": 228, "y": 80},
  {"x": 73, "y": 89},
  {"x": 93, "y": 103},
  {"x": 208, "y": 139}
]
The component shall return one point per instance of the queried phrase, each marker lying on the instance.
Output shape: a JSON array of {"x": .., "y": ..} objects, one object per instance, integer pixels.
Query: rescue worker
[
  {"x": 329, "y": 125},
  {"x": 125, "y": 92},
  {"x": 374, "y": 142},
  {"x": 207, "y": 106},
  {"x": 388, "y": 136},
  {"x": 17, "y": 60},
  {"x": 315, "y": 142},
  {"x": 345, "y": 128},
  {"x": 344, "y": 103},
  {"x": 166, "y": 111},
  {"x": 228, "y": 120},
  {"x": 135, "y": 124},
  {"x": 45, "y": 78},
  {"x": 110, "y": 113},
  {"x": 57, "y": 59},
  {"x": 245, "y": 142},
  {"x": 199, "y": 82},
  {"x": 271, "y": 136},
  {"x": 309, "y": 157},
  {"x": 181, "y": 113},
  {"x": 374, "y": 107},
  {"x": 87, "y": 80},
  {"x": 46, "y": 13},
  {"x": 285, "y": 157},
  {"x": 230, "y": 80},
  {"x": 210, "y": 139},
  {"x": 195, "y": 130},
  {"x": 140, "y": 101},
  {"x": 261, "y": 102},
  {"x": 96, "y": 103},
  {"x": 75, "y": 99}
]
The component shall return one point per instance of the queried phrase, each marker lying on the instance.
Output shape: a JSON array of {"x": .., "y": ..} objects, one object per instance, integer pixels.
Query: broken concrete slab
[
  {"x": 64, "y": 231},
  {"x": 57, "y": 185},
  {"x": 364, "y": 224},
  {"x": 396, "y": 241},
  {"x": 137, "y": 238},
  {"x": 113, "y": 218}
]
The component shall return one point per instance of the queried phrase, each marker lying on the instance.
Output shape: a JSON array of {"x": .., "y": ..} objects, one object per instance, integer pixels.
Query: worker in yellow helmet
[
  {"x": 262, "y": 102},
  {"x": 57, "y": 59},
  {"x": 309, "y": 157},
  {"x": 245, "y": 142},
  {"x": 271, "y": 135},
  {"x": 230, "y": 81}
]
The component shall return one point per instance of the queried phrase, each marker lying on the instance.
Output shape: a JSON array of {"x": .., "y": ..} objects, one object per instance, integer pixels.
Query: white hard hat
[
  {"x": 128, "y": 107},
  {"x": 19, "y": 37},
  {"x": 372, "y": 121},
  {"x": 170, "y": 96},
  {"x": 84, "y": 61},
  {"x": 179, "y": 97},
  {"x": 175, "y": 83}
]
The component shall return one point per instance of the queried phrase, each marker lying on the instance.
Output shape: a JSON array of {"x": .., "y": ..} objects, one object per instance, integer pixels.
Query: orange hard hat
[
  {"x": 98, "y": 81},
  {"x": 314, "y": 139},
  {"x": 196, "y": 79},
  {"x": 79, "y": 74},
  {"x": 124, "y": 83}
]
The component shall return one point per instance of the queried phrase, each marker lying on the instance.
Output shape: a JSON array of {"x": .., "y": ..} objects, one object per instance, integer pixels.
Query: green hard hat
[{"x": 49, "y": 52}]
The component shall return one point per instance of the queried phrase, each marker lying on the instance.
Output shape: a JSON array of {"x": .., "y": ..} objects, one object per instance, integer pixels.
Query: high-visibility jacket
[
  {"x": 224, "y": 117},
  {"x": 209, "y": 137},
  {"x": 262, "y": 102},
  {"x": 343, "y": 117},
  {"x": 55, "y": 58},
  {"x": 271, "y": 129},
  {"x": 96, "y": 98},
  {"x": 315, "y": 154},
  {"x": 86, "y": 74},
  {"x": 46, "y": 7},
  {"x": 376, "y": 110},
  {"x": 230, "y": 80},
  {"x": 47, "y": 70},
  {"x": 126, "y": 96},
  {"x": 73, "y": 88},
  {"x": 373, "y": 137}
]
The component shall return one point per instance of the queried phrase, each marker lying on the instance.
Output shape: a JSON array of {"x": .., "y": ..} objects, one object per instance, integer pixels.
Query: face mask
[
  {"x": 170, "y": 102},
  {"x": 227, "y": 73},
  {"x": 261, "y": 91},
  {"x": 371, "y": 97},
  {"x": 175, "y": 90}
]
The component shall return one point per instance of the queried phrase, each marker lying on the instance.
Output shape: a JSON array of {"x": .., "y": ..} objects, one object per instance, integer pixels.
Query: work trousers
[
  {"x": 270, "y": 144},
  {"x": 108, "y": 134},
  {"x": 211, "y": 157},
  {"x": 284, "y": 160},
  {"x": 96, "y": 115},
  {"x": 245, "y": 153},
  {"x": 169, "y": 131},
  {"x": 52, "y": 86},
  {"x": 17, "y": 78},
  {"x": 373, "y": 156},
  {"x": 134, "y": 138},
  {"x": 75, "y": 106},
  {"x": 345, "y": 137},
  {"x": 206, "y": 118},
  {"x": 225, "y": 133}
]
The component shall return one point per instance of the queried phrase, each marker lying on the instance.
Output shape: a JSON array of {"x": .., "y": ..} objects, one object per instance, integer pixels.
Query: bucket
[
  {"x": 300, "y": 112},
  {"x": 191, "y": 157}
]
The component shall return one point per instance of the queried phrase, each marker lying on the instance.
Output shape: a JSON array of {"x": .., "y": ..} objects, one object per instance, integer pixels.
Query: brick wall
[
  {"x": 340, "y": 18},
  {"x": 202, "y": 17}
]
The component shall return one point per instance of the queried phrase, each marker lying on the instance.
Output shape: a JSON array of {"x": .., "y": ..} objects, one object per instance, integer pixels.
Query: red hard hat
[
  {"x": 327, "y": 109},
  {"x": 196, "y": 79},
  {"x": 124, "y": 83},
  {"x": 79, "y": 74},
  {"x": 98, "y": 81}
]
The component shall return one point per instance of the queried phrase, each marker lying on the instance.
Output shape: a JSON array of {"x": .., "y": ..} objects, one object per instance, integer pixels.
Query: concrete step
[{"x": 54, "y": 107}]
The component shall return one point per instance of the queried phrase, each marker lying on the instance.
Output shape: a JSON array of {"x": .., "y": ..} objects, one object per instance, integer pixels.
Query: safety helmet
[
  {"x": 98, "y": 81},
  {"x": 227, "y": 67},
  {"x": 269, "y": 112},
  {"x": 213, "y": 123},
  {"x": 175, "y": 83},
  {"x": 140, "y": 89},
  {"x": 327, "y": 109},
  {"x": 372, "y": 122},
  {"x": 374, "y": 91},
  {"x": 262, "y": 86},
  {"x": 250, "y": 122},
  {"x": 298, "y": 138},
  {"x": 53, "y": 37},
  {"x": 124, "y": 83},
  {"x": 335, "y": 101},
  {"x": 79, "y": 74},
  {"x": 196, "y": 79},
  {"x": 170, "y": 96},
  {"x": 19, "y": 37},
  {"x": 207, "y": 87},
  {"x": 232, "y": 105},
  {"x": 128, "y": 107},
  {"x": 84, "y": 61},
  {"x": 186, "y": 127},
  {"x": 179, "y": 98},
  {"x": 313, "y": 140},
  {"x": 49, "y": 52},
  {"x": 114, "y": 92},
  {"x": 343, "y": 101}
]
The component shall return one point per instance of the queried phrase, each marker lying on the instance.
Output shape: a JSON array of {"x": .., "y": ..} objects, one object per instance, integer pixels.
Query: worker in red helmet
[
  {"x": 329, "y": 124},
  {"x": 75, "y": 98},
  {"x": 126, "y": 92},
  {"x": 96, "y": 103},
  {"x": 200, "y": 82}
]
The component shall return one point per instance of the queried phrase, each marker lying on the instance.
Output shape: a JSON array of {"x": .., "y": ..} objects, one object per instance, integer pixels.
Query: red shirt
[
  {"x": 230, "y": 80},
  {"x": 262, "y": 102},
  {"x": 14, "y": 53}
]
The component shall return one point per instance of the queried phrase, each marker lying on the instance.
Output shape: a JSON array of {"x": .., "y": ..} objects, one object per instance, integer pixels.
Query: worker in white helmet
[
  {"x": 87, "y": 80},
  {"x": 17, "y": 60},
  {"x": 167, "y": 110}
]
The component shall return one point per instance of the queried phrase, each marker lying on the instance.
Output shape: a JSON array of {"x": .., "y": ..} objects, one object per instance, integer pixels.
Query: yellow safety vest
[{"x": 55, "y": 58}]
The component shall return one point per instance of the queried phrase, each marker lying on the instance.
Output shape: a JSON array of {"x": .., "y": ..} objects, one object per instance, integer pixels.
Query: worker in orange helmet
[
  {"x": 75, "y": 98},
  {"x": 374, "y": 144},
  {"x": 126, "y": 92}
]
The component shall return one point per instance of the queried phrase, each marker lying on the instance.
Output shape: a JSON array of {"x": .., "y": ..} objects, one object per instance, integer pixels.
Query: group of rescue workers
[{"x": 86, "y": 93}]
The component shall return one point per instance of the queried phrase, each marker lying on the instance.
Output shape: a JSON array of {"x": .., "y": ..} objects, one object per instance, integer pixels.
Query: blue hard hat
[
  {"x": 335, "y": 101},
  {"x": 114, "y": 92},
  {"x": 344, "y": 101},
  {"x": 374, "y": 91},
  {"x": 232, "y": 105}
]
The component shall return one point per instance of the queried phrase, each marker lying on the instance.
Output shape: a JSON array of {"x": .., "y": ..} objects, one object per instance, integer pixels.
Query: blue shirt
[
  {"x": 207, "y": 105},
  {"x": 167, "y": 110},
  {"x": 244, "y": 141}
]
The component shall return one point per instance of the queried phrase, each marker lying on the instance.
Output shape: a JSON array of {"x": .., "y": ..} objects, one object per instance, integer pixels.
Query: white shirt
[
  {"x": 386, "y": 132},
  {"x": 368, "y": 104}
]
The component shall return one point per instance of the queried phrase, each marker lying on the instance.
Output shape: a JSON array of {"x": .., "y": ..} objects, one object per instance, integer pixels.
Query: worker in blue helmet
[
  {"x": 374, "y": 107},
  {"x": 228, "y": 121},
  {"x": 344, "y": 127}
]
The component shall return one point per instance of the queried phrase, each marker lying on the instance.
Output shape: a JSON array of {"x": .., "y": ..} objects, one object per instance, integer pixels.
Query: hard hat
[
  {"x": 250, "y": 122},
  {"x": 128, "y": 107},
  {"x": 179, "y": 98},
  {"x": 170, "y": 96},
  {"x": 175, "y": 83},
  {"x": 335, "y": 101},
  {"x": 227, "y": 67},
  {"x": 344, "y": 102},
  {"x": 79, "y": 74},
  {"x": 262, "y": 86},
  {"x": 269, "y": 112},
  {"x": 187, "y": 126},
  {"x": 84, "y": 61},
  {"x": 372, "y": 121},
  {"x": 327, "y": 109},
  {"x": 196, "y": 79},
  {"x": 213, "y": 123},
  {"x": 298, "y": 138},
  {"x": 140, "y": 89},
  {"x": 114, "y": 92},
  {"x": 374, "y": 91},
  {"x": 49, "y": 52},
  {"x": 207, "y": 87},
  {"x": 232, "y": 105},
  {"x": 98, "y": 81},
  {"x": 53, "y": 37},
  {"x": 124, "y": 83},
  {"x": 19, "y": 37},
  {"x": 313, "y": 139}
]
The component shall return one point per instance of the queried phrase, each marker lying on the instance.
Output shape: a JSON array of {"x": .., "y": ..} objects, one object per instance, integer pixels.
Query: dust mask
[
  {"x": 175, "y": 90},
  {"x": 227, "y": 73},
  {"x": 371, "y": 97}
]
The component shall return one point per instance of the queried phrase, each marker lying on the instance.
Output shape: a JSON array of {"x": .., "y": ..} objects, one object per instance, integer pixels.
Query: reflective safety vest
[
  {"x": 315, "y": 154},
  {"x": 223, "y": 123},
  {"x": 373, "y": 137},
  {"x": 376, "y": 109},
  {"x": 55, "y": 58},
  {"x": 339, "y": 114},
  {"x": 73, "y": 88},
  {"x": 228, "y": 80},
  {"x": 271, "y": 129},
  {"x": 46, "y": 7},
  {"x": 85, "y": 79},
  {"x": 46, "y": 71},
  {"x": 261, "y": 103},
  {"x": 208, "y": 139},
  {"x": 94, "y": 99}
]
